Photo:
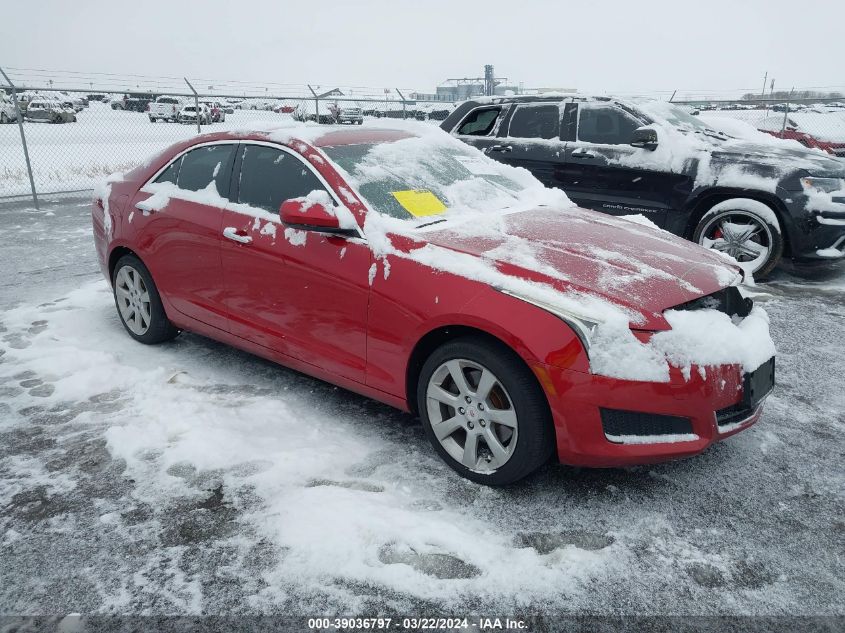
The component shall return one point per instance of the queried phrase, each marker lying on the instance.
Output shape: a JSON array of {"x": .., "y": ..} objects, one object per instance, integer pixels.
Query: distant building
[{"x": 462, "y": 91}]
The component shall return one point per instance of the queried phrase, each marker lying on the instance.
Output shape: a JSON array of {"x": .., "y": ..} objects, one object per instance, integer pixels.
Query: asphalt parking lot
[{"x": 193, "y": 478}]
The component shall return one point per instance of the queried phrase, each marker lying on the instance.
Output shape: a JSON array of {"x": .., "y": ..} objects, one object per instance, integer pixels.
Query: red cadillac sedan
[{"x": 406, "y": 266}]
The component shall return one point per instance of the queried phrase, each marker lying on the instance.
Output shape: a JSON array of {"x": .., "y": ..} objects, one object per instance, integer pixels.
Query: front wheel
[
  {"x": 139, "y": 304},
  {"x": 484, "y": 411},
  {"x": 745, "y": 229}
]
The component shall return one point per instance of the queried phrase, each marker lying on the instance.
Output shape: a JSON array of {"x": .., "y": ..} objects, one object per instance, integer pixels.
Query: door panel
[
  {"x": 530, "y": 138},
  {"x": 301, "y": 293},
  {"x": 602, "y": 172},
  {"x": 181, "y": 241}
]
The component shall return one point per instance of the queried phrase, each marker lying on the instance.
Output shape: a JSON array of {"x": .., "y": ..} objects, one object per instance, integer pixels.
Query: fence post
[
  {"x": 196, "y": 104},
  {"x": 19, "y": 116},
  {"x": 401, "y": 96},
  {"x": 316, "y": 104},
  {"x": 786, "y": 112}
]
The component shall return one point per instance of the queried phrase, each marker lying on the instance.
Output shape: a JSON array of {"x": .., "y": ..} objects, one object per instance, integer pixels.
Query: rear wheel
[
  {"x": 484, "y": 412},
  {"x": 3, "y": 118},
  {"x": 745, "y": 229},
  {"x": 139, "y": 304}
]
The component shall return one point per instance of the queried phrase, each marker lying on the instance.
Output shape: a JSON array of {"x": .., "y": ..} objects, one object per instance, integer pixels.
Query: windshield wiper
[{"x": 419, "y": 226}]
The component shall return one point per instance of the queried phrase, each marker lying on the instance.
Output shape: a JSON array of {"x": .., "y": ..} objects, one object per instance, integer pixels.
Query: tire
[
  {"x": 525, "y": 442},
  {"x": 152, "y": 120},
  {"x": 3, "y": 118},
  {"x": 128, "y": 297},
  {"x": 755, "y": 216}
]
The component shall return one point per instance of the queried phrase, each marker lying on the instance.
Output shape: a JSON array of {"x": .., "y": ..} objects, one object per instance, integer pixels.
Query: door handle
[
  {"x": 582, "y": 153},
  {"x": 501, "y": 148},
  {"x": 236, "y": 235}
]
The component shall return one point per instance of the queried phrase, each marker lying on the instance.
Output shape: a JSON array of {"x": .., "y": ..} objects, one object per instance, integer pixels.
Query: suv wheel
[
  {"x": 139, "y": 304},
  {"x": 484, "y": 412},
  {"x": 3, "y": 118},
  {"x": 746, "y": 229}
]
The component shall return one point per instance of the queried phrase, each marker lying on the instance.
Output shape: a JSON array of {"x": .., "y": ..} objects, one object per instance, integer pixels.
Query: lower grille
[
  {"x": 618, "y": 423},
  {"x": 733, "y": 414}
]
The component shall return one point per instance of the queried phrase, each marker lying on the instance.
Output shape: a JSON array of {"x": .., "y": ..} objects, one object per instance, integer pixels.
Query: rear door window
[
  {"x": 204, "y": 165},
  {"x": 480, "y": 122},
  {"x": 269, "y": 176},
  {"x": 535, "y": 121},
  {"x": 605, "y": 124}
]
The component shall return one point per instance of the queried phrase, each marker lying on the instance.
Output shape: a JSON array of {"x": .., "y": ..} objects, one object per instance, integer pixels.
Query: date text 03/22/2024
[{"x": 417, "y": 624}]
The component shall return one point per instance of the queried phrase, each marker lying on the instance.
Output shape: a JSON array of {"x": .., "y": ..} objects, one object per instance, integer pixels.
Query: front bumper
[
  {"x": 710, "y": 402},
  {"x": 816, "y": 236}
]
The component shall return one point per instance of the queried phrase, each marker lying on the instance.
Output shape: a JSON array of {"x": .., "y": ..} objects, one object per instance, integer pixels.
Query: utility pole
[{"x": 765, "y": 77}]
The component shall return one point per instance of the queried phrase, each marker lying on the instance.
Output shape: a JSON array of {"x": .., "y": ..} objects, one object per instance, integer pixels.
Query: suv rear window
[
  {"x": 535, "y": 121},
  {"x": 480, "y": 122}
]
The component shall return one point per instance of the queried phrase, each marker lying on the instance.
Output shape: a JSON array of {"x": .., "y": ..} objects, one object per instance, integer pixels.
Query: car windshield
[{"x": 426, "y": 176}]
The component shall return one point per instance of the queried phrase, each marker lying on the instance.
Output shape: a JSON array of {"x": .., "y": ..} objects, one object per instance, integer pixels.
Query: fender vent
[{"x": 728, "y": 300}]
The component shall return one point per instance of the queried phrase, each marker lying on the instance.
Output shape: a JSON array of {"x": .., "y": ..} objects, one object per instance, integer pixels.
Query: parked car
[
  {"x": 307, "y": 111},
  {"x": 284, "y": 108},
  {"x": 133, "y": 101},
  {"x": 346, "y": 113},
  {"x": 98, "y": 97},
  {"x": 49, "y": 111},
  {"x": 164, "y": 109},
  {"x": 8, "y": 112},
  {"x": 218, "y": 114},
  {"x": 188, "y": 114},
  {"x": 429, "y": 277},
  {"x": 757, "y": 203},
  {"x": 792, "y": 131}
]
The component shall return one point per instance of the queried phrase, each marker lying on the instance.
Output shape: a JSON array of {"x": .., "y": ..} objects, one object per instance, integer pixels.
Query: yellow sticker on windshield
[{"x": 419, "y": 202}]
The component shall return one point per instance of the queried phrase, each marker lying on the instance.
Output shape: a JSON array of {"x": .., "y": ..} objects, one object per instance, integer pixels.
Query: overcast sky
[{"x": 599, "y": 45}]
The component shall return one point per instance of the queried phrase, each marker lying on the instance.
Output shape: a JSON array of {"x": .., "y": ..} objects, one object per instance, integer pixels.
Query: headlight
[
  {"x": 583, "y": 326},
  {"x": 827, "y": 185}
]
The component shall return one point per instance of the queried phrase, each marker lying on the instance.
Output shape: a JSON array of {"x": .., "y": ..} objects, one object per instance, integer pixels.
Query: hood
[
  {"x": 639, "y": 268},
  {"x": 786, "y": 158}
]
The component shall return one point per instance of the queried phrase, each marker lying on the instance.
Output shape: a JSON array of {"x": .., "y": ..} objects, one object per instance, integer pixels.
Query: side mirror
[
  {"x": 644, "y": 138},
  {"x": 304, "y": 214}
]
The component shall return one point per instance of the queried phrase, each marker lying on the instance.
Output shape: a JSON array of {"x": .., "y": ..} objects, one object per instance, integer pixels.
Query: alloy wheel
[
  {"x": 472, "y": 415},
  {"x": 740, "y": 234},
  {"x": 133, "y": 300}
]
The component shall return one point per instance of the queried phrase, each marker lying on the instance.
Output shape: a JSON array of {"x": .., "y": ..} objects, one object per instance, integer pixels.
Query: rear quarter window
[{"x": 480, "y": 122}]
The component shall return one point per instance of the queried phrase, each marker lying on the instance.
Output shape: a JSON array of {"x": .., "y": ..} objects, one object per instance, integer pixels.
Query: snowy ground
[{"x": 192, "y": 478}]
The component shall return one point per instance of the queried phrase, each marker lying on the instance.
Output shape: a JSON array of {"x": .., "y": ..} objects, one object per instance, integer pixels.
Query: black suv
[{"x": 756, "y": 202}]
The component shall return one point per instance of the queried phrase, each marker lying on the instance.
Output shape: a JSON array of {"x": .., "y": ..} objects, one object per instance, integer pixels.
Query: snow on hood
[{"x": 749, "y": 161}]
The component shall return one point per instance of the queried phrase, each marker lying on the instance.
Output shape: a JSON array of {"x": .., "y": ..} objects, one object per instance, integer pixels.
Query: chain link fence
[
  {"x": 814, "y": 123},
  {"x": 74, "y": 137}
]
